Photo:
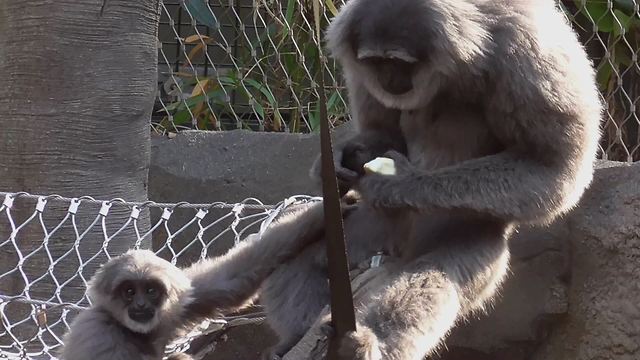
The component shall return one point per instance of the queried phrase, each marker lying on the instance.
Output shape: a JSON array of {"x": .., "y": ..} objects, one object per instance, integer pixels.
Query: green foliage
[
  {"x": 274, "y": 74},
  {"x": 611, "y": 31},
  {"x": 200, "y": 10},
  {"x": 618, "y": 24}
]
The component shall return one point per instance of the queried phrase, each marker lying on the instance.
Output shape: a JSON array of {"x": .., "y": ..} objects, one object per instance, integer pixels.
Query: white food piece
[{"x": 381, "y": 165}]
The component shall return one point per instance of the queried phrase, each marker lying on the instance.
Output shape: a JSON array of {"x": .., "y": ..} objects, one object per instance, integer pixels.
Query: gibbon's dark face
[
  {"x": 392, "y": 40},
  {"x": 141, "y": 298},
  {"x": 394, "y": 75}
]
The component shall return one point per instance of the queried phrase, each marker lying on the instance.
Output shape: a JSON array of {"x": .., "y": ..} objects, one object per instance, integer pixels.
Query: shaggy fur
[
  {"x": 105, "y": 331},
  {"x": 230, "y": 281},
  {"x": 492, "y": 110},
  {"x": 498, "y": 114},
  {"x": 202, "y": 290}
]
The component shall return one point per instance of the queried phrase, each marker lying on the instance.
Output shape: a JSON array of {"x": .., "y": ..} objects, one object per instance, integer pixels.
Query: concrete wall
[{"x": 207, "y": 167}]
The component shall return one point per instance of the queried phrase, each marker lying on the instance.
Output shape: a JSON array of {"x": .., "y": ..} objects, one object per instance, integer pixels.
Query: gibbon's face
[
  {"x": 391, "y": 39},
  {"x": 141, "y": 299},
  {"x": 393, "y": 74},
  {"x": 392, "y": 43}
]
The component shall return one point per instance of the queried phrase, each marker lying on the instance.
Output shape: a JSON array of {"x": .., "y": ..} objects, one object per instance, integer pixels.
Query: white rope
[{"x": 42, "y": 235}]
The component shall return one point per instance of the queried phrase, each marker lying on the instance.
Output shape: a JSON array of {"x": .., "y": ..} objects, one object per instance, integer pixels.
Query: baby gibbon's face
[{"x": 141, "y": 300}]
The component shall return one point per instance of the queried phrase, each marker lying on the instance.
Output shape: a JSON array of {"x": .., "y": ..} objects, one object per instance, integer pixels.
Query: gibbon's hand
[
  {"x": 349, "y": 157},
  {"x": 384, "y": 191},
  {"x": 346, "y": 176}
]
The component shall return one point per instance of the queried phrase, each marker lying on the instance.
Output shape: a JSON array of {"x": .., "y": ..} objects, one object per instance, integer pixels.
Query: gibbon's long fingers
[
  {"x": 228, "y": 281},
  {"x": 344, "y": 175}
]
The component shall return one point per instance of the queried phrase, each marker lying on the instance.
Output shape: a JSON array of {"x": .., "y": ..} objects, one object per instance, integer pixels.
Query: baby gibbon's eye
[
  {"x": 129, "y": 292},
  {"x": 152, "y": 292}
]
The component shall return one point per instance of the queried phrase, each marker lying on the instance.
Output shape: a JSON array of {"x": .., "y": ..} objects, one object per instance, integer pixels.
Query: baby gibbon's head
[{"x": 140, "y": 290}]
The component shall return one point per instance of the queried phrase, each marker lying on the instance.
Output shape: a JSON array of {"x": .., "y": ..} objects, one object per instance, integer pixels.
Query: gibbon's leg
[
  {"x": 420, "y": 302},
  {"x": 294, "y": 295},
  {"x": 297, "y": 292}
]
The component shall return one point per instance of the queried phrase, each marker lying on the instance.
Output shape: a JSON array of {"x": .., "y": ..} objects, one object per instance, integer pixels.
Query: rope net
[{"x": 51, "y": 245}]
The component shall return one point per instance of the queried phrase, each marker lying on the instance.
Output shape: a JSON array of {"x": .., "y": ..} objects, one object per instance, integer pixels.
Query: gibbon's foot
[
  {"x": 326, "y": 329},
  {"x": 361, "y": 344},
  {"x": 351, "y": 198},
  {"x": 346, "y": 177}
]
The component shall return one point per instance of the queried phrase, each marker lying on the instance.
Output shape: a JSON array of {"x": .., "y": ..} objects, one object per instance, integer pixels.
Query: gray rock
[
  {"x": 574, "y": 290},
  {"x": 603, "y": 321},
  {"x": 532, "y": 300}
]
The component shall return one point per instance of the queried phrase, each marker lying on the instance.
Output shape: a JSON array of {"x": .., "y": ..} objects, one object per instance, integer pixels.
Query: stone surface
[
  {"x": 532, "y": 300},
  {"x": 574, "y": 288},
  {"x": 201, "y": 166},
  {"x": 603, "y": 321}
]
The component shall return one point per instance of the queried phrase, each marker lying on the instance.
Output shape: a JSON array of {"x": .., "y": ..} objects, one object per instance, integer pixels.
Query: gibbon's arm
[
  {"x": 547, "y": 164},
  {"x": 505, "y": 185},
  {"x": 228, "y": 281}
]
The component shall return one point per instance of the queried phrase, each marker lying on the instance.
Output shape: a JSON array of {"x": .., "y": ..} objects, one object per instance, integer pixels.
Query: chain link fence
[
  {"x": 243, "y": 64},
  {"x": 48, "y": 255},
  {"x": 610, "y": 31},
  {"x": 252, "y": 64}
]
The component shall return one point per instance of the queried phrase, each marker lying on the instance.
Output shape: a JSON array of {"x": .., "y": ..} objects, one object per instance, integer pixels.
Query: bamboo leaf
[
  {"x": 314, "y": 118},
  {"x": 623, "y": 22},
  {"x": 196, "y": 49},
  {"x": 332, "y": 7},
  {"x": 197, "y": 38},
  {"x": 200, "y": 87},
  {"x": 316, "y": 16},
  {"x": 604, "y": 74},
  {"x": 201, "y": 11},
  {"x": 291, "y": 6},
  {"x": 259, "y": 109},
  {"x": 182, "y": 117},
  {"x": 333, "y": 100},
  {"x": 599, "y": 12},
  {"x": 627, "y": 6},
  {"x": 263, "y": 89}
]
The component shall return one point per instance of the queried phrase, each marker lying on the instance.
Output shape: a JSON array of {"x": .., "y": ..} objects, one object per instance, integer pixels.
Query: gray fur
[
  {"x": 501, "y": 127},
  {"x": 202, "y": 290},
  {"x": 230, "y": 281},
  {"x": 512, "y": 62},
  {"x": 297, "y": 291},
  {"x": 104, "y": 331}
]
